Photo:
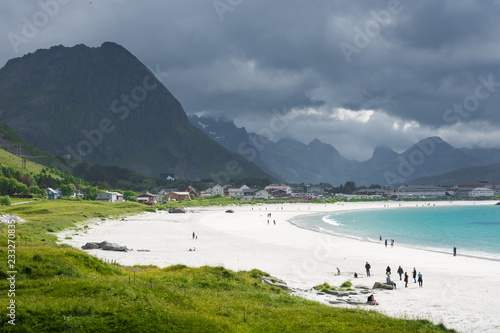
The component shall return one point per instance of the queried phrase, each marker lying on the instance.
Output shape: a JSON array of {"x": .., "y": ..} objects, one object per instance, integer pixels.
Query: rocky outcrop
[
  {"x": 107, "y": 246},
  {"x": 275, "y": 282}
]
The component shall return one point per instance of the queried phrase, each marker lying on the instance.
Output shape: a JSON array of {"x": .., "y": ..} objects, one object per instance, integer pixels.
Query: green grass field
[{"x": 62, "y": 289}]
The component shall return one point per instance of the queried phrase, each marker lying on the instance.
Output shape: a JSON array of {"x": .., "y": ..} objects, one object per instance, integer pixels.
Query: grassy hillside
[
  {"x": 61, "y": 289},
  {"x": 9, "y": 160},
  {"x": 11, "y": 141}
]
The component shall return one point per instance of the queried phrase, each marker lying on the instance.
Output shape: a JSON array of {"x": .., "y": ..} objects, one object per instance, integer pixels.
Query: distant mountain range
[
  {"x": 466, "y": 175},
  {"x": 103, "y": 105},
  {"x": 296, "y": 162}
]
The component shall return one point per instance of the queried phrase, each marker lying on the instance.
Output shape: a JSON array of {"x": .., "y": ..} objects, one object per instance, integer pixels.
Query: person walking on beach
[
  {"x": 392, "y": 242},
  {"x": 406, "y": 280},
  {"x": 400, "y": 272},
  {"x": 420, "y": 280},
  {"x": 414, "y": 275},
  {"x": 367, "y": 266},
  {"x": 388, "y": 270},
  {"x": 386, "y": 243},
  {"x": 454, "y": 251},
  {"x": 380, "y": 238},
  {"x": 194, "y": 235}
]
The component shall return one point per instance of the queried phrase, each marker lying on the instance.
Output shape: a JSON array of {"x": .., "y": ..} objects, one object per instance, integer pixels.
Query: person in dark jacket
[
  {"x": 400, "y": 272},
  {"x": 367, "y": 267},
  {"x": 406, "y": 280}
]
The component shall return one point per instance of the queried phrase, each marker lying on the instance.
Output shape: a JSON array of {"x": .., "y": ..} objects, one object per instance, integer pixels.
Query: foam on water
[{"x": 329, "y": 220}]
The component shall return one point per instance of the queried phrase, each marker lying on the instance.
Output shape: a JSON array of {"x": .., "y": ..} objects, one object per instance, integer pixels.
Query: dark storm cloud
[{"x": 415, "y": 65}]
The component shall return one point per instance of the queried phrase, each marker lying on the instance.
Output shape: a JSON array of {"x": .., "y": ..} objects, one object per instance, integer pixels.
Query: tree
[
  {"x": 68, "y": 190},
  {"x": 21, "y": 189},
  {"x": 129, "y": 196},
  {"x": 35, "y": 190},
  {"x": 349, "y": 187},
  {"x": 91, "y": 193}
]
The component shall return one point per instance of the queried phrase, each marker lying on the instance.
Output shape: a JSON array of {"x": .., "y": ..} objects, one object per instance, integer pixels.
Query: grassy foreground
[{"x": 62, "y": 289}]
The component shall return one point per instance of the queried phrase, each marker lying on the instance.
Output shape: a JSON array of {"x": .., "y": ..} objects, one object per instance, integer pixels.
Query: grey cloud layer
[{"x": 413, "y": 61}]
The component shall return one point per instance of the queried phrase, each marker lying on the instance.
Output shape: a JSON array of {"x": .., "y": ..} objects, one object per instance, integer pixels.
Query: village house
[
  {"x": 167, "y": 176},
  {"x": 416, "y": 191},
  {"x": 254, "y": 194},
  {"x": 52, "y": 194},
  {"x": 465, "y": 188},
  {"x": 147, "y": 199},
  {"x": 217, "y": 189},
  {"x": 315, "y": 189},
  {"x": 279, "y": 190},
  {"x": 110, "y": 197},
  {"x": 481, "y": 192},
  {"x": 192, "y": 191},
  {"x": 178, "y": 196},
  {"x": 163, "y": 193},
  {"x": 238, "y": 192}
]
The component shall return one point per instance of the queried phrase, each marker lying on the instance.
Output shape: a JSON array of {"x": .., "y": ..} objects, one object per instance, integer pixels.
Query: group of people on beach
[
  {"x": 416, "y": 277},
  {"x": 392, "y": 241}
]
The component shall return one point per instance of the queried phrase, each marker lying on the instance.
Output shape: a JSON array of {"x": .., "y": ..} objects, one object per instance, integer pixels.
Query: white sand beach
[{"x": 461, "y": 292}]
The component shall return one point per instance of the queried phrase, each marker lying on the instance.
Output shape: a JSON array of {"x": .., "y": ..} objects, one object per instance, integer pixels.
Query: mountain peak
[
  {"x": 383, "y": 152},
  {"x": 101, "y": 104}
]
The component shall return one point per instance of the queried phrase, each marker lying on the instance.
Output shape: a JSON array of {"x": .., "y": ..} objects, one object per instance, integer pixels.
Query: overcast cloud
[{"x": 355, "y": 74}]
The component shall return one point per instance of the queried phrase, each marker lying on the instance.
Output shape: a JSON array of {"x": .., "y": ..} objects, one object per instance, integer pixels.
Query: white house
[
  {"x": 261, "y": 195},
  {"x": 110, "y": 197},
  {"x": 481, "y": 192},
  {"x": 238, "y": 192},
  {"x": 53, "y": 194},
  {"x": 217, "y": 189}
]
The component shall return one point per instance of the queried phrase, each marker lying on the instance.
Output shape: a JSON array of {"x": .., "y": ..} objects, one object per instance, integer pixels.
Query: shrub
[
  {"x": 5, "y": 201},
  {"x": 346, "y": 284}
]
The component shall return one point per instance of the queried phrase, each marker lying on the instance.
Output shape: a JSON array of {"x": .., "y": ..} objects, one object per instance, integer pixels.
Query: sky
[{"x": 354, "y": 74}]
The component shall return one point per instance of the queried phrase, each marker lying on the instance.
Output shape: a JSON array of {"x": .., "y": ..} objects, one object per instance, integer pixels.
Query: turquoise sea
[{"x": 474, "y": 230}]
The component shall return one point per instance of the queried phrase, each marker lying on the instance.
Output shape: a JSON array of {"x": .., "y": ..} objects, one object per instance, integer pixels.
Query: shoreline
[
  {"x": 489, "y": 256},
  {"x": 460, "y": 292}
]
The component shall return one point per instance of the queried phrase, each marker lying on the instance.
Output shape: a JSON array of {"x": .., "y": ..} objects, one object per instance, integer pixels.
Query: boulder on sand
[
  {"x": 112, "y": 246},
  {"x": 176, "y": 210},
  {"x": 382, "y": 285},
  {"x": 91, "y": 246}
]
